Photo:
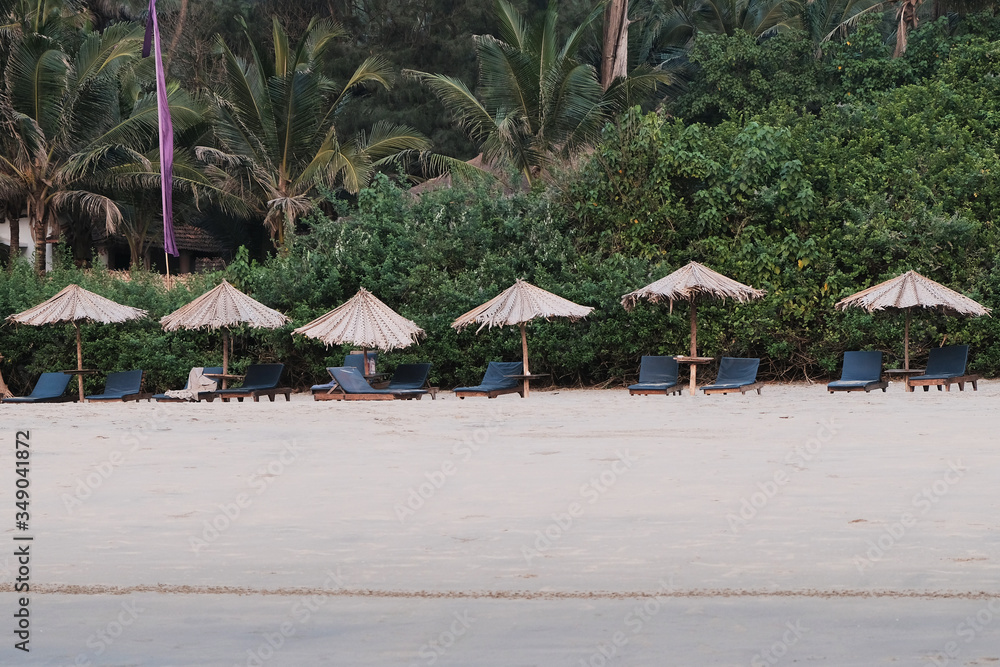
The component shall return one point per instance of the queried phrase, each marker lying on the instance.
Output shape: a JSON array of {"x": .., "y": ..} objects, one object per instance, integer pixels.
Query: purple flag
[{"x": 166, "y": 133}]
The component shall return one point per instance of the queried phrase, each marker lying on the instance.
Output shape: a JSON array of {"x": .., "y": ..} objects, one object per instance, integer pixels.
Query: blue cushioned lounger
[
  {"x": 260, "y": 380},
  {"x": 410, "y": 376},
  {"x": 735, "y": 375},
  {"x": 862, "y": 372},
  {"x": 945, "y": 366},
  {"x": 657, "y": 375},
  {"x": 352, "y": 386},
  {"x": 123, "y": 386},
  {"x": 350, "y": 361},
  {"x": 496, "y": 381},
  {"x": 50, "y": 388}
]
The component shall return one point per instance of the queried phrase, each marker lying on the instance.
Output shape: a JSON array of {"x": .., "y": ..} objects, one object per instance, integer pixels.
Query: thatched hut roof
[
  {"x": 75, "y": 304},
  {"x": 223, "y": 306},
  {"x": 690, "y": 282},
  {"x": 912, "y": 290},
  {"x": 521, "y": 302},
  {"x": 364, "y": 321}
]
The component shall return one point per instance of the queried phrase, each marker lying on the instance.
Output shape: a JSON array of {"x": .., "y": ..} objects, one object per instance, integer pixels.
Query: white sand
[{"x": 122, "y": 494}]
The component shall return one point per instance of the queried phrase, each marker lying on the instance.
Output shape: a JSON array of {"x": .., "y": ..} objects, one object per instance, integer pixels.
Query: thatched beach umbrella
[
  {"x": 364, "y": 321},
  {"x": 75, "y": 304},
  {"x": 690, "y": 283},
  {"x": 908, "y": 291},
  {"x": 518, "y": 305},
  {"x": 221, "y": 308}
]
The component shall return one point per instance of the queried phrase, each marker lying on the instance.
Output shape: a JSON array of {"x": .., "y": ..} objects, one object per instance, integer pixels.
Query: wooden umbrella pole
[
  {"x": 79, "y": 360},
  {"x": 166, "y": 262},
  {"x": 225, "y": 356},
  {"x": 524, "y": 356},
  {"x": 906, "y": 341},
  {"x": 4, "y": 390},
  {"x": 693, "y": 385}
]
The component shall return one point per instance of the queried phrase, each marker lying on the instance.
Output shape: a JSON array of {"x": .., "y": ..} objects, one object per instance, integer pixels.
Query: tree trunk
[
  {"x": 38, "y": 229},
  {"x": 614, "y": 50},
  {"x": 906, "y": 14},
  {"x": 14, "y": 218}
]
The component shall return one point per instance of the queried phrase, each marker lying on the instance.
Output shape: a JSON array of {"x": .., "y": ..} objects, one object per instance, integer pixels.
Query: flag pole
[{"x": 151, "y": 43}]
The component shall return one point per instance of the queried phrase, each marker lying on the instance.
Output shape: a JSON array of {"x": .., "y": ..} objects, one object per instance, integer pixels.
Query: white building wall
[{"x": 26, "y": 241}]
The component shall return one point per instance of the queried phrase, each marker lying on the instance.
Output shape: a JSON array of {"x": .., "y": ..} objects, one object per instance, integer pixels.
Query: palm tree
[
  {"x": 537, "y": 99},
  {"x": 54, "y": 104},
  {"x": 825, "y": 19},
  {"x": 757, "y": 17},
  {"x": 275, "y": 132},
  {"x": 124, "y": 160}
]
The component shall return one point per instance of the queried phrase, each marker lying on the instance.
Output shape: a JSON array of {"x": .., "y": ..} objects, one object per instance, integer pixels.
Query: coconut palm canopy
[
  {"x": 912, "y": 290},
  {"x": 366, "y": 322},
  {"x": 520, "y": 303},
  {"x": 223, "y": 306},
  {"x": 691, "y": 282},
  {"x": 908, "y": 291},
  {"x": 75, "y": 304}
]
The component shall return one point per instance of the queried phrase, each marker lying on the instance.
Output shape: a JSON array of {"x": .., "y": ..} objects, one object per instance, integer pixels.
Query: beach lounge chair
[
  {"x": 350, "y": 361},
  {"x": 862, "y": 372},
  {"x": 202, "y": 395},
  {"x": 735, "y": 375},
  {"x": 260, "y": 380},
  {"x": 496, "y": 381},
  {"x": 945, "y": 366},
  {"x": 50, "y": 388},
  {"x": 412, "y": 376},
  {"x": 123, "y": 386},
  {"x": 352, "y": 386},
  {"x": 657, "y": 375}
]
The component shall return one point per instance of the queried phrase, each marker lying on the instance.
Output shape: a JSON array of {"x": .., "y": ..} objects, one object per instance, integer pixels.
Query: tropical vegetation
[{"x": 793, "y": 147}]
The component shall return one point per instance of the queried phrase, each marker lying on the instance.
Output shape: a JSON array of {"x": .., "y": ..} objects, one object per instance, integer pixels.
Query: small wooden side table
[
  {"x": 80, "y": 372},
  {"x": 225, "y": 377},
  {"x": 693, "y": 363}
]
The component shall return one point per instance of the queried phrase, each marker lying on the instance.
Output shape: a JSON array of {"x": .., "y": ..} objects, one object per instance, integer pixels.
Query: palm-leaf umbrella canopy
[
  {"x": 75, "y": 304},
  {"x": 689, "y": 283},
  {"x": 363, "y": 320},
  {"x": 518, "y": 305},
  {"x": 220, "y": 308},
  {"x": 908, "y": 291}
]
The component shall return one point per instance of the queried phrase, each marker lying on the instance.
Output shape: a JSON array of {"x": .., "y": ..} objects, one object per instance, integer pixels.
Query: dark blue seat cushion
[
  {"x": 353, "y": 382},
  {"x": 860, "y": 370},
  {"x": 410, "y": 376},
  {"x": 119, "y": 385},
  {"x": 496, "y": 378},
  {"x": 735, "y": 373},
  {"x": 48, "y": 387},
  {"x": 259, "y": 377},
  {"x": 945, "y": 362},
  {"x": 656, "y": 373}
]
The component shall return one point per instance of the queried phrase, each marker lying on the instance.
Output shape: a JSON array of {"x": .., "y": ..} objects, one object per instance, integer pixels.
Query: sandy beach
[{"x": 577, "y": 527}]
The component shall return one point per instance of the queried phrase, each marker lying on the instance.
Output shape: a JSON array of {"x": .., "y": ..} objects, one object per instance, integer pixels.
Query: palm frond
[
  {"x": 387, "y": 140},
  {"x": 511, "y": 27},
  {"x": 38, "y": 74},
  {"x": 374, "y": 70},
  {"x": 459, "y": 101},
  {"x": 101, "y": 209}
]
